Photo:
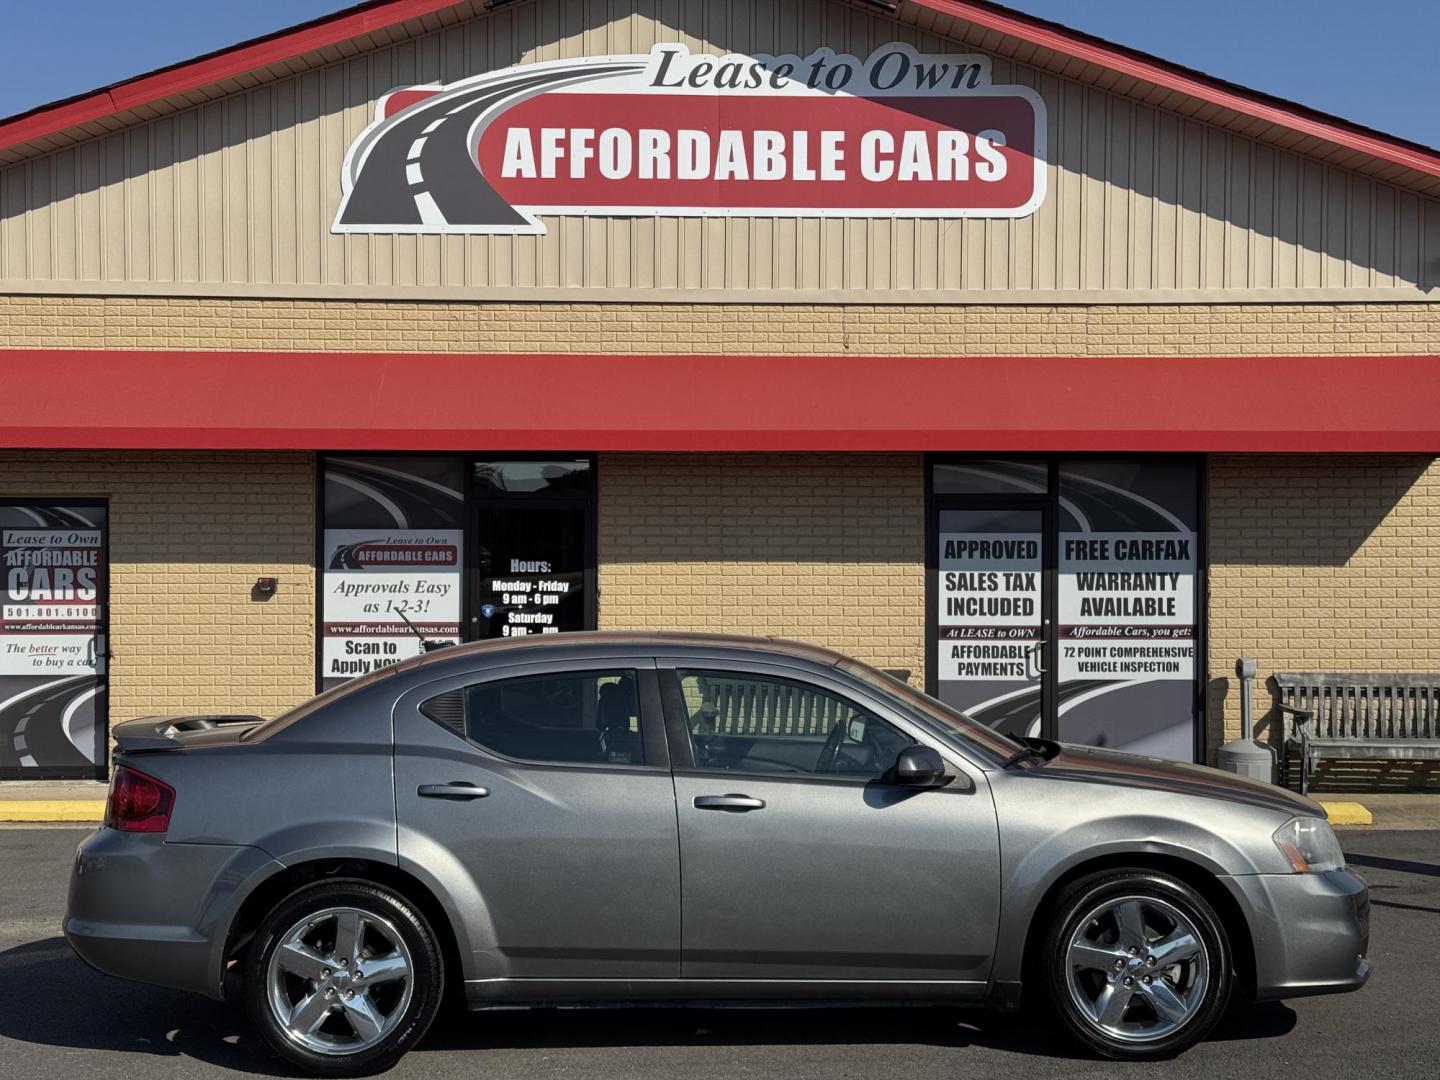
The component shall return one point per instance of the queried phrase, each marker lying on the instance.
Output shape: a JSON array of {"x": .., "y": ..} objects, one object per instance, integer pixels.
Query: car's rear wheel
[
  {"x": 343, "y": 977},
  {"x": 1137, "y": 964}
]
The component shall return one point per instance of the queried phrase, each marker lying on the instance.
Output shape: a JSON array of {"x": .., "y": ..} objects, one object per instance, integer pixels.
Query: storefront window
[
  {"x": 1069, "y": 610},
  {"x": 991, "y": 476},
  {"x": 535, "y": 547},
  {"x": 392, "y": 559},
  {"x": 421, "y": 552},
  {"x": 1129, "y": 547},
  {"x": 500, "y": 478},
  {"x": 53, "y": 639}
]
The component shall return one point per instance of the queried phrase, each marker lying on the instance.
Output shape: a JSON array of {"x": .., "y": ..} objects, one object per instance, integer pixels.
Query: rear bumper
[
  {"x": 158, "y": 913},
  {"x": 1311, "y": 932}
]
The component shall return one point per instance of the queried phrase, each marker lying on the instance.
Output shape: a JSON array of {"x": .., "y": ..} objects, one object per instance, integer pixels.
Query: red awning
[{"x": 353, "y": 401}]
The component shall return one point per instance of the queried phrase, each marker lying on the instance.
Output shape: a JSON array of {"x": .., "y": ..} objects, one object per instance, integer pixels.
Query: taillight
[{"x": 138, "y": 803}]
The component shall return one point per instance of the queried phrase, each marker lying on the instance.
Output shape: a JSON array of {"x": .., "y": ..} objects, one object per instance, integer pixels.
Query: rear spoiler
[{"x": 159, "y": 732}]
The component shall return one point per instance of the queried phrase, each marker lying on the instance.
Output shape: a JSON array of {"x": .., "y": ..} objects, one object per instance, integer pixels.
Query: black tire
[
  {"x": 1082, "y": 898},
  {"x": 427, "y": 977}
]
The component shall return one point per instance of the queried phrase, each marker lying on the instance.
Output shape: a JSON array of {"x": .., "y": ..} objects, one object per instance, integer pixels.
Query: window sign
[
  {"x": 535, "y": 560},
  {"x": 989, "y": 586},
  {"x": 1064, "y": 598},
  {"x": 1126, "y": 605},
  {"x": 52, "y": 639},
  {"x": 393, "y": 561}
]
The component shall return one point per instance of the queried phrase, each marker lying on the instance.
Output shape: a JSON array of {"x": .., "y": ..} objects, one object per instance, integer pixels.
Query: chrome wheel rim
[
  {"x": 340, "y": 980},
  {"x": 1137, "y": 969}
]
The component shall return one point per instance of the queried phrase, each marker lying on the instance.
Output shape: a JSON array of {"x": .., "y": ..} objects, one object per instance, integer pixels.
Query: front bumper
[
  {"x": 144, "y": 909},
  {"x": 1311, "y": 932}
]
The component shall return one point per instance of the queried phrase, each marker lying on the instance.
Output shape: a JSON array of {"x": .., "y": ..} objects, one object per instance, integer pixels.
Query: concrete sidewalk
[
  {"x": 1420, "y": 810},
  {"x": 80, "y": 801}
]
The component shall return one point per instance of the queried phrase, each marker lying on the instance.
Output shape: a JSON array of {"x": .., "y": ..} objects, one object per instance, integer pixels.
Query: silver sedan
[{"x": 603, "y": 818}]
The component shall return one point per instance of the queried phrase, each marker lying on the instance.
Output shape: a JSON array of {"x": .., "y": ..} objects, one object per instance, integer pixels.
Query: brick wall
[
  {"x": 1320, "y": 563},
  {"x": 1316, "y": 563},
  {"x": 189, "y": 534},
  {"x": 826, "y": 329},
  {"x": 823, "y": 548}
]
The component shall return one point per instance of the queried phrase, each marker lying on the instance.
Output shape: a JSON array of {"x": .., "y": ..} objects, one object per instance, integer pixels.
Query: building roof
[
  {"x": 138, "y": 399},
  {"x": 986, "y": 26}
]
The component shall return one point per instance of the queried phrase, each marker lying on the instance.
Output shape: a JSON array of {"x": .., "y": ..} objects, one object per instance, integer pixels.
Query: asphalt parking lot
[{"x": 59, "y": 1019}]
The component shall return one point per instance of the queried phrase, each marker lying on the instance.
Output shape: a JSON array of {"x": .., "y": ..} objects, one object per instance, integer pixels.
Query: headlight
[{"x": 1309, "y": 844}]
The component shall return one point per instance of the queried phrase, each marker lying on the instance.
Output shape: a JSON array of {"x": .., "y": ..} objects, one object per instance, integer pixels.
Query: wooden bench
[{"x": 1332, "y": 715}]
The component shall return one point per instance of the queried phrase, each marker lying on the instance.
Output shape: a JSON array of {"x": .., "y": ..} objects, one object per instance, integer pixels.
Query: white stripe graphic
[
  {"x": 413, "y": 174},
  {"x": 416, "y": 148},
  {"x": 1179, "y": 525},
  {"x": 1080, "y": 699},
  {"x": 1039, "y": 489},
  {"x": 88, "y": 731},
  {"x": 429, "y": 211},
  {"x": 370, "y": 493},
  {"x": 40, "y": 689},
  {"x": 430, "y": 127},
  {"x": 409, "y": 478}
]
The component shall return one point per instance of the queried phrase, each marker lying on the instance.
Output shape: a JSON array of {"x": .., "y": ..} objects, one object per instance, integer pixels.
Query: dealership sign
[{"x": 899, "y": 134}]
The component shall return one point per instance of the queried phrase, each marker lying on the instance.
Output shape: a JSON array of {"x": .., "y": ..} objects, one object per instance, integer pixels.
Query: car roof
[{"x": 538, "y": 648}]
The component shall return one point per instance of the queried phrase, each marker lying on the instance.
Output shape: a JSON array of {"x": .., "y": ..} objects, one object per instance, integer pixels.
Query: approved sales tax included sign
[{"x": 672, "y": 133}]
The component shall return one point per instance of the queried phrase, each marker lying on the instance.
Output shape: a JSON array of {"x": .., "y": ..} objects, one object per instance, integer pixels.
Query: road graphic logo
[{"x": 680, "y": 134}]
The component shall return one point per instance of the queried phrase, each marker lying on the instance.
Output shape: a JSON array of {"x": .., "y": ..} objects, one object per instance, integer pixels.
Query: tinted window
[
  {"x": 590, "y": 717},
  {"x": 498, "y": 478},
  {"x": 758, "y": 724}
]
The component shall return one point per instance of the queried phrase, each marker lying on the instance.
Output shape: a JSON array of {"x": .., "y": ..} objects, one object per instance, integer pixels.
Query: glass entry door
[
  {"x": 534, "y": 529},
  {"x": 1063, "y": 598}
]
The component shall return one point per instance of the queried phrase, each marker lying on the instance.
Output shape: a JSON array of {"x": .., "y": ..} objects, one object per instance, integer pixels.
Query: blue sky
[{"x": 1371, "y": 63}]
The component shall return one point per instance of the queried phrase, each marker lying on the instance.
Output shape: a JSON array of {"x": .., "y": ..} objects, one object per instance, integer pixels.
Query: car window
[
  {"x": 585, "y": 717},
  {"x": 755, "y": 723},
  {"x": 994, "y": 745}
]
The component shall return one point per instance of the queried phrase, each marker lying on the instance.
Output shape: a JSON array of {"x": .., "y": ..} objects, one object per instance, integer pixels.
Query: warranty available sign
[{"x": 899, "y": 134}]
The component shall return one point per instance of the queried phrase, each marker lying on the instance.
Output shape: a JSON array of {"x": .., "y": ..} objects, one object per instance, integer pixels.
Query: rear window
[{"x": 570, "y": 718}]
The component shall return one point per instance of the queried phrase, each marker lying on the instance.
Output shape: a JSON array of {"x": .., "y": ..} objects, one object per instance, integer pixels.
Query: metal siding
[{"x": 241, "y": 190}]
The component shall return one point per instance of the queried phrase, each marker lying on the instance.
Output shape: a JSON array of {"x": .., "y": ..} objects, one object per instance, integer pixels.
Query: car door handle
[
  {"x": 457, "y": 790},
  {"x": 738, "y": 803}
]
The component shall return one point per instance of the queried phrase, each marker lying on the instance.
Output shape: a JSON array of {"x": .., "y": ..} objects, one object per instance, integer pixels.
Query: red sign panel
[{"x": 680, "y": 134}]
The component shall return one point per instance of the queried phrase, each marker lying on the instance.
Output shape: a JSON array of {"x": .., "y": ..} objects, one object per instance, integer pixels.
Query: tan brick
[
  {"x": 1319, "y": 563},
  {"x": 822, "y": 329},
  {"x": 823, "y": 548},
  {"x": 189, "y": 534}
]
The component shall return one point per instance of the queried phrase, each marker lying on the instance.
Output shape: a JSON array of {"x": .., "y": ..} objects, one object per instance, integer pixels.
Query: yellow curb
[
  {"x": 52, "y": 809},
  {"x": 1347, "y": 813}
]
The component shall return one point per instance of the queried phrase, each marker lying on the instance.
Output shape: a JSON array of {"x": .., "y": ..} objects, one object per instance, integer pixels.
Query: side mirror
[{"x": 918, "y": 767}]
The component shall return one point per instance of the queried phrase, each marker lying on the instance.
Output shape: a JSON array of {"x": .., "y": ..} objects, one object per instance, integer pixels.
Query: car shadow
[
  {"x": 49, "y": 997},
  {"x": 941, "y": 1026}
]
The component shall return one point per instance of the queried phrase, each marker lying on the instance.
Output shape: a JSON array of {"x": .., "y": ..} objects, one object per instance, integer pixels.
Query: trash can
[{"x": 1246, "y": 756}]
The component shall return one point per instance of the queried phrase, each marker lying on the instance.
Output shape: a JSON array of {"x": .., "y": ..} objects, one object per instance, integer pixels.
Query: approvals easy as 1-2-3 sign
[{"x": 679, "y": 134}]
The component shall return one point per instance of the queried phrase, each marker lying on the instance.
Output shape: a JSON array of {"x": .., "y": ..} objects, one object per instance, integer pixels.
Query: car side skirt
[{"x": 489, "y": 993}]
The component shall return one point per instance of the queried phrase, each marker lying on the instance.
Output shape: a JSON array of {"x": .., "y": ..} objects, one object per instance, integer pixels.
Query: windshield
[{"x": 950, "y": 721}]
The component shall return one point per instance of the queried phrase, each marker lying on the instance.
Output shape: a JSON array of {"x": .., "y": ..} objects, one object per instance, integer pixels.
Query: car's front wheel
[
  {"x": 343, "y": 977},
  {"x": 1137, "y": 964}
]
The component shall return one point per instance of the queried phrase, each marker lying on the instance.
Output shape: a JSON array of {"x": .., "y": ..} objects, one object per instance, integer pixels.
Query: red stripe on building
[{"x": 281, "y": 401}]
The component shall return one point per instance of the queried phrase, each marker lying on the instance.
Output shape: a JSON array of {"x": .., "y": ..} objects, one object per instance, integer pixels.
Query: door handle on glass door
[
  {"x": 738, "y": 803},
  {"x": 458, "y": 790}
]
